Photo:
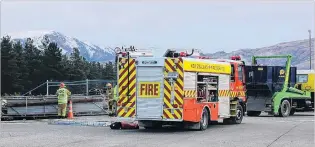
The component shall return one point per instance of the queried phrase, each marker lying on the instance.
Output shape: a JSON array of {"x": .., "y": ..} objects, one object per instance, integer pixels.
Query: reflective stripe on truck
[
  {"x": 173, "y": 89},
  {"x": 126, "y": 103}
]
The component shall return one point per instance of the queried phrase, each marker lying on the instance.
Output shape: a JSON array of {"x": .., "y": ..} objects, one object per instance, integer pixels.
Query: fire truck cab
[
  {"x": 181, "y": 89},
  {"x": 237, "y": 82}
]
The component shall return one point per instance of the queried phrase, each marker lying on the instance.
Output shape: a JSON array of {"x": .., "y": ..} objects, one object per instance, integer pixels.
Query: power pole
[{"x": 310, "y": 44}]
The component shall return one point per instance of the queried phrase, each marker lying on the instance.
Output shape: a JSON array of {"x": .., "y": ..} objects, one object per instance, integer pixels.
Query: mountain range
[
  {"x": 88, "y": 50},
  {"x": 298, "y": 49}
]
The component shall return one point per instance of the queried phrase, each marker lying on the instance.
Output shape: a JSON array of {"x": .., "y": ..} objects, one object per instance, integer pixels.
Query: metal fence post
[
  {"x": 0, "y": 107},
  {"x": 47, "y": 88},
  {"x": 25, "y": 106},
  {"x": 87, "y": 87}
]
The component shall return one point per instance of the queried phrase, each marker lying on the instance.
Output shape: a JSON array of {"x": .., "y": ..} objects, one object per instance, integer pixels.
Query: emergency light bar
[
  {"x": 236, "y": 57},
  {"x": 122, "y": 49},
  {"x": 133, "y": 53},
  {"x": 181, "y": 53}
]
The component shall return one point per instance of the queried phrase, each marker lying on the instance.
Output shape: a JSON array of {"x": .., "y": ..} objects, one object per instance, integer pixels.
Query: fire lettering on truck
[{"x": 149, "y": 89}]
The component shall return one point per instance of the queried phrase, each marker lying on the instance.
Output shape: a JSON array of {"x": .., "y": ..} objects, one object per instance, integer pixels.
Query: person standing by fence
[
  {"x": 63, "y": 95},
  {"x": 111, "y": 94}
]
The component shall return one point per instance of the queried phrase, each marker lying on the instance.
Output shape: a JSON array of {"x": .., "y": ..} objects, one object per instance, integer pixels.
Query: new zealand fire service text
[{"x": 205, "y": 66}]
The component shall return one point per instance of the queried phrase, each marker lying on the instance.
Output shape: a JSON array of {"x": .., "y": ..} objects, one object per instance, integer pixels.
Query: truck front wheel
[
  {"x": 235, "y": 119},
  {"x": 285, "y": 108}
]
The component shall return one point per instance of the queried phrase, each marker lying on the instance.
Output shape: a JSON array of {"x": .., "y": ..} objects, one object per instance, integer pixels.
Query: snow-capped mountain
[
  {"x": 88, "y": 50},
  {"x": 298, "y": 49}
]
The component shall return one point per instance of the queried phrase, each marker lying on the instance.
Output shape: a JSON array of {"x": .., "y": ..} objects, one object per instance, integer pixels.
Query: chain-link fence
[
  {"x": 84, "y": 87},
  {"x": 87, "y": 96}
]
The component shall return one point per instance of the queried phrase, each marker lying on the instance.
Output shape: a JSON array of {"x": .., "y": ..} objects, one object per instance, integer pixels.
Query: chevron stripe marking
[
  {"x": 123, "y": 89},
  {"x": 130, "y": 113},
  {"x": 179, "y": 83},
  {"x": 190, "y": 93},
  {"x": 178, "y": 113},
  {"x": 127, "y": 103},
  {"x": 231, "y": 93},
  {"x": 171, "y": 66},
  {"x": 125, "y": 69},
  {"x": 167, "y": 95},
  {"x": 124, "y": 79},
  {"x": 167, "y": 114}
]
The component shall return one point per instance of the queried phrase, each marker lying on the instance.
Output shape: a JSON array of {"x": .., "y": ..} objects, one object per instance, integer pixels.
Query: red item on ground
[
  {"x": 129, "y": 125},
  {"x": 124, "y": 125}
]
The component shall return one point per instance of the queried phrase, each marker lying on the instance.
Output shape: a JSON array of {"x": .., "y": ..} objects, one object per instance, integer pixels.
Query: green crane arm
[{"x": 287, "y": 67}]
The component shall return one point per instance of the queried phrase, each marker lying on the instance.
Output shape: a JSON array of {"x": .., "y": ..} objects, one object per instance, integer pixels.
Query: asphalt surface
[{"x": 263, "y": 131}]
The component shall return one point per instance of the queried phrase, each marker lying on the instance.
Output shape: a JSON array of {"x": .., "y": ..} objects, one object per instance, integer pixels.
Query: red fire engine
[{"x": 181, "y": 89}]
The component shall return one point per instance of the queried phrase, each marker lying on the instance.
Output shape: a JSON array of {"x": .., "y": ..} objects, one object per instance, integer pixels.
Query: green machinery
[{"x": 270, "y": 88}]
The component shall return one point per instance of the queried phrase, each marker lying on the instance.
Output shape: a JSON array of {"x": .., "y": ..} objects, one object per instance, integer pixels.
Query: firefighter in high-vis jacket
[
  {"x": 63, "y": 95},
  {"x": 111, "y": 93}
]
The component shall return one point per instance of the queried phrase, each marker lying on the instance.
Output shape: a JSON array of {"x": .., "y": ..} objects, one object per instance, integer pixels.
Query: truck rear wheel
[
  {"x": 235, "y": 119},
  {"x": 285, "y": 108},
  {"x": 253, "y": 113},
  {"x": 239, "y": 115},
  {"x": 204, "y": 120}
]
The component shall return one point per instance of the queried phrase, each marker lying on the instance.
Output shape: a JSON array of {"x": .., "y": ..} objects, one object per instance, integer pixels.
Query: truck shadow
[
  {"x": 295, "y": 115},
  {"x": 170, "y": 129},
  {"x": 303, "y": 115}
]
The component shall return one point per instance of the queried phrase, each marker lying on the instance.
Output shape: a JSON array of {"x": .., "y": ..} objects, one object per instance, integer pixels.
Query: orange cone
[{"x": 70, "y": 113}]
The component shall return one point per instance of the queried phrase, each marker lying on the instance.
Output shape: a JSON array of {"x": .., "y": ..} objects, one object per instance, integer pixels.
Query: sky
[{"x": 207, "y": 25}]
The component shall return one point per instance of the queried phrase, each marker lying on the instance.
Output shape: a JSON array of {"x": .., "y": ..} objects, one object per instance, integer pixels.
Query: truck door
[
  {"x": 240, "y": 83},
  {"x": 237, "y": 81},
  {"x": 150, "y": 89}
]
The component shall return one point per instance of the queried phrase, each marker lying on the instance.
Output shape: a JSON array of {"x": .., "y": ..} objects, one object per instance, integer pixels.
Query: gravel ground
[{"x": 263, "y": 131}]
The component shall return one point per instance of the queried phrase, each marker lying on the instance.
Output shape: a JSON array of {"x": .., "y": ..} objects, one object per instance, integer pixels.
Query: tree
[
  {"x": 111, "y": 72},
  {"x": 33, "y": 57},
  {"x": 114, "y": 71},
  {"x": 108, "y": 72},
  {"x": 77, "y": 66},
  {"x": 94, "y": 71},
  {"x": 86, "y": 67},
  {"x": 9, "y": 68},
  {"x": 45, "y": 42},
  {"x": 65, "y": 67},
  {"x": 22, "y": 66},
  {"x": 52, "y": 61}
]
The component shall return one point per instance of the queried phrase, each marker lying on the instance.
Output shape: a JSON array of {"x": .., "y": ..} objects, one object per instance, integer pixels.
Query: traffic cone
[{"x": 70, "y": 113}]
